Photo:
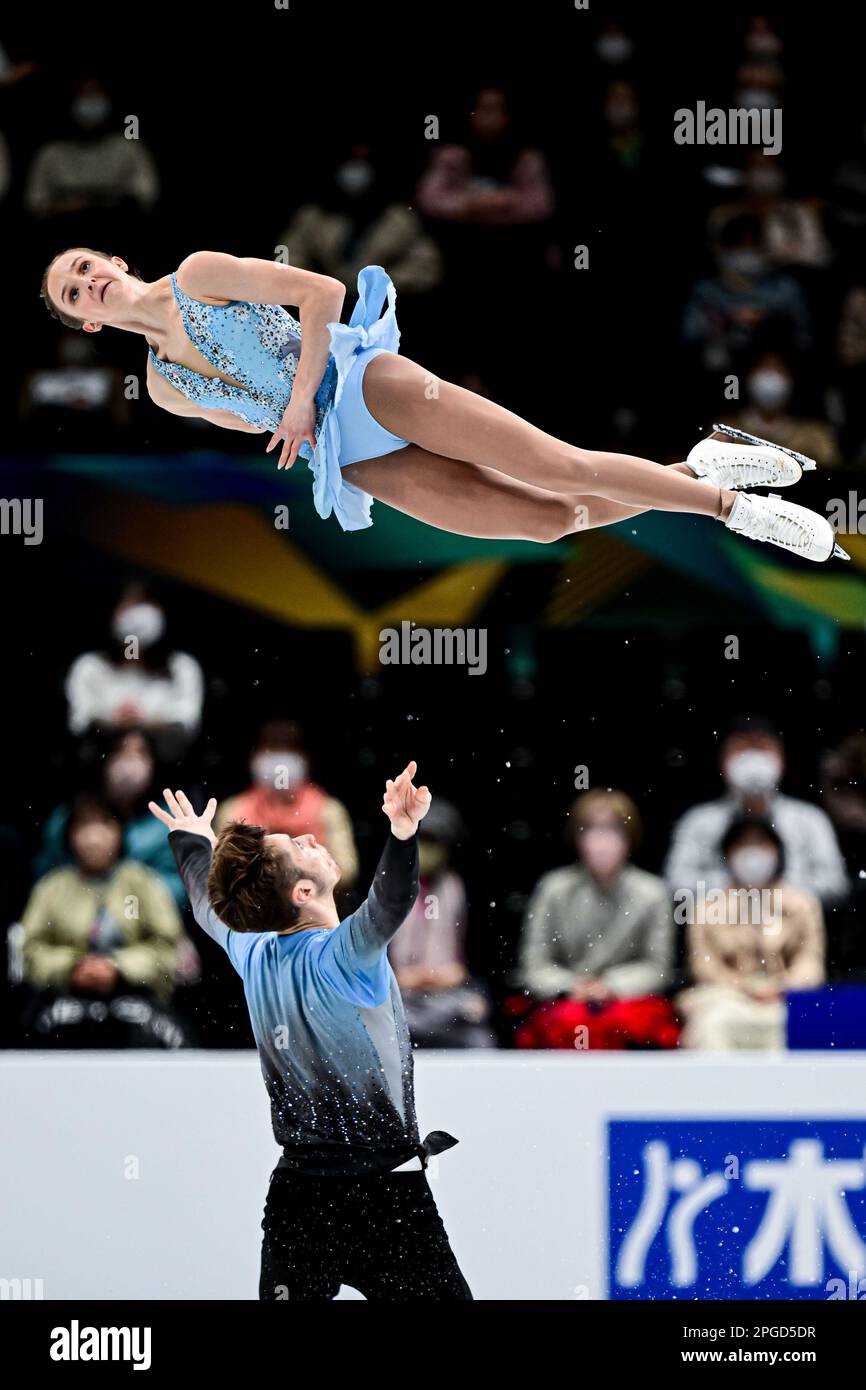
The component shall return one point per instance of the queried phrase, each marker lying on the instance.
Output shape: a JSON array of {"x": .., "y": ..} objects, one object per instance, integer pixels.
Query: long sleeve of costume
[
  {"x": 193, "y": 854},
  {"x": 354, "y": 956}
]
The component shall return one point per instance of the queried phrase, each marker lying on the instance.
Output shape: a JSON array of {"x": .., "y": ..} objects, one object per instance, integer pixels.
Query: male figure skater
[{"x": 349, "y": 1201}]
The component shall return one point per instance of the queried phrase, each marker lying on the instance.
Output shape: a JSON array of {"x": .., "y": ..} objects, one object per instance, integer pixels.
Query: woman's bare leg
[
  {"x": 468, "y": 500},
  {"x": 455, "y": 423}
]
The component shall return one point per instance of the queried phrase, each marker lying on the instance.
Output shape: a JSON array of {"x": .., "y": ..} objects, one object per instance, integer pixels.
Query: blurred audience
[
  {"x": 746, "y": 295},
  {"x": 77, "y": 393},
  {"x": 140, "y": 680},
  {"x": 598, "y": 940},
  {"x": 850, "y": 352},
  {"x": 283, "y": 798},
  {"x": 752, "y": 763},
  {"x": 747, "y": 951},
  {"x": 100, "y": 943},
  {"x": 357, "y": 221},
  {"x": 792, "y": 229},
  {"x": 770, "y": 388},
  {"x": 96, "y": 178},
  {"x": 444, "y": 1006},
  {"x": 127, "y": 780},
  {"x": 492, "y": 177},
  {"x": 843, "y": 793}
]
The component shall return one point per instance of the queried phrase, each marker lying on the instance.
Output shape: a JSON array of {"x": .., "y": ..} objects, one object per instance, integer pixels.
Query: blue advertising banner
[{"x": 737, "y": 1209}]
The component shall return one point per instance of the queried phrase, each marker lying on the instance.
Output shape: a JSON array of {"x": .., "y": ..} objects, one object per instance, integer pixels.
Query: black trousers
[{"x": 380, "y": 1234}]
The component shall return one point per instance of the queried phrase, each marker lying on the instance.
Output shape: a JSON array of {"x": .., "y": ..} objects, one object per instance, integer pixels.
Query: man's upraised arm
[
  {"x": 192, "y": 854},
  {"x": 353, "y": 957},
  {"x": 191, "y": 838}
]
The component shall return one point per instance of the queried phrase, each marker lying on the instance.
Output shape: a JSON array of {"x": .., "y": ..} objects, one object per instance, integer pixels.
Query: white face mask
[
  {"x": 614, "y": 48},
  {"x": 769, "y": 387},
  {"x": 128, "y": 774},
  {"x": 756, "y": 98},
  {"x": 142, "y": 620},
  {"x": 754, "y": 866},
  {"x": 354, "y": 177},
  {"x": 90, "y": 111},
  {"x": 279, "y": 771},
  {"x": 755, "y": 770}
]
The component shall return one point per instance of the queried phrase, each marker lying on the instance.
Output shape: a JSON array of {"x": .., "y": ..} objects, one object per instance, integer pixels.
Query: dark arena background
[{"x": 610, "y": 309}]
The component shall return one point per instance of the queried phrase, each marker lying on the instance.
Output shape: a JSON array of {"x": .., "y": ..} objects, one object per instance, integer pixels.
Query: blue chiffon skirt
[{"x": 349, "y": 432}]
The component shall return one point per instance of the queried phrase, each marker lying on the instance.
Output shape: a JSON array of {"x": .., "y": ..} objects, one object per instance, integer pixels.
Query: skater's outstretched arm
[
  {"x": 358, "y": 944},
  {"x": 192, "y": 840},
  {"x": 319, "y": 301}
]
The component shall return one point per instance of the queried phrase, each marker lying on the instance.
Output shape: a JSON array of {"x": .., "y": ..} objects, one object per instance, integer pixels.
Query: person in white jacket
[{"x": 752, "y": 762}]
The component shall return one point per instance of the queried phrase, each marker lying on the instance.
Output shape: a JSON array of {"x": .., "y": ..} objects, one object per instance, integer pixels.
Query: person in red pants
[{"x": 598, "y": 941}]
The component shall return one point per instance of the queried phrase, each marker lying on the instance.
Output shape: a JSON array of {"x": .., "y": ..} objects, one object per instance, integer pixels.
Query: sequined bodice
[{"x": 258, "y": 345}]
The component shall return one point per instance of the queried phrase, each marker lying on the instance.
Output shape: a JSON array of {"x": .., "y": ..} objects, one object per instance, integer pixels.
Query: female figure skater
[{"x": 224, "y": 349}]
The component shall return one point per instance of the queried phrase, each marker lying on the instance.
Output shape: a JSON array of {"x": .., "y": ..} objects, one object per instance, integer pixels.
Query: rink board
[{"x": 576, "y": 1176}]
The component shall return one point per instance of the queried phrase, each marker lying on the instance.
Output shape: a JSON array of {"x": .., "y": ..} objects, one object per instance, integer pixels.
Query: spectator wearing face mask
[
  {"x": 488, "y": 198},
  {"x": 749, "y": 946},
  {"x": 101, "y": 934},
  {"x": 843, "y": 793},
  {"x": 614, "y": 47},
  {"x": 769, "y": 388},
  {"x": 356, "y": 221},
  {"x": 598, "y": 938},
  {"x": 493, "y": 178},
  {"x": 128, "y": 780},
  {"x": 792, "y": 229},
  {"x": 752, "y": 762},
  {"x": 285, "y": 801},
  {"x": 92, "y": 181},
  {"x": 444, "y": 1006},
  {"x": 747, "y": 296},
  {"x": 139, "y": 681}
]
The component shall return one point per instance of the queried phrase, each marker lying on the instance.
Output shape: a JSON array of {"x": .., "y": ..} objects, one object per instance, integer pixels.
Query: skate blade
[
  {"x": 807, "y": 464},
  {"x": 839, "y": 553}
]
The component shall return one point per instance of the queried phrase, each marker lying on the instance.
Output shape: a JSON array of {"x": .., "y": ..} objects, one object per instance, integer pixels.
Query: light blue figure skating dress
[{"x": 258, "y": 345}]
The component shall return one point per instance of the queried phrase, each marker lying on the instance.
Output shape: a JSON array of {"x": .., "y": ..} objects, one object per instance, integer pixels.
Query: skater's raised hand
[
  {"x": 181, "y": 816},
  {"x": 404, "y": 804},
  {"x": 297, "y": 425}
]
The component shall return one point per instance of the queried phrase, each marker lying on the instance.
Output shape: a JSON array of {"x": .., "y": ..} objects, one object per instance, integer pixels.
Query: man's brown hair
[{"x": 249, "y": 882}]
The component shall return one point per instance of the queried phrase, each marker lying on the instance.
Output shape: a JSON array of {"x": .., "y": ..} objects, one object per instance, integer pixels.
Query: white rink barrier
[{"x": 577, "y": 1176}]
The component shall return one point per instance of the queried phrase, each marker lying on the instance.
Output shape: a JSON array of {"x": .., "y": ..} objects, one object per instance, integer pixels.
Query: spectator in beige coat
[{"x": 749, "y": 944}]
